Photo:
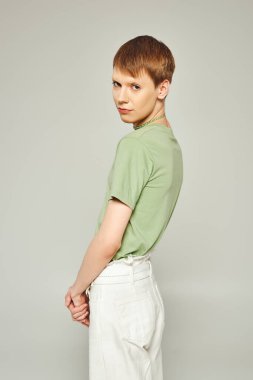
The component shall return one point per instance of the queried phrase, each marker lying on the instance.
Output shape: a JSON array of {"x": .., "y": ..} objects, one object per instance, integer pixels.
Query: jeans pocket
[{"x": 136, "y": 318}]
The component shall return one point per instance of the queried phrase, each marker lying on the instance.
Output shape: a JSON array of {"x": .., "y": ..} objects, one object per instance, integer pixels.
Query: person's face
[{"x": 137, "y": 95}]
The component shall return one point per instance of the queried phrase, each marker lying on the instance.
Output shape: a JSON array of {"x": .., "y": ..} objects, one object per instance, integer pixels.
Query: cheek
[
  {"x": 145, "y": 101},
  {"x": 140, "y": 97},
  {"x": 114, "y": 95}
]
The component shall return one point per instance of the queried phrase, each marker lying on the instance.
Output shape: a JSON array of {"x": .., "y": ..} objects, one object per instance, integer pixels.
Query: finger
[
  {"x": 83, "y": 305},
  {"x": 76, "y": 315},
  {"x": 80, "y": 315},
  {"x": 81, "y": 318},
  {"x": 67, "y": 299},
  {"x": 86, "y": 322},
  {"x": 78, "y": 309}
]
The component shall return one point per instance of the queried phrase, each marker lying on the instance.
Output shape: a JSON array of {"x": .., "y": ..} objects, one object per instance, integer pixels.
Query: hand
[
  {"x": 80, "y": 313},
  {"x": 78, "y": 306}
]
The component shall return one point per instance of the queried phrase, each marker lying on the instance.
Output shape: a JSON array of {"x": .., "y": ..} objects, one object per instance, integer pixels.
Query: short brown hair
[{"x": 145, "y": 53}]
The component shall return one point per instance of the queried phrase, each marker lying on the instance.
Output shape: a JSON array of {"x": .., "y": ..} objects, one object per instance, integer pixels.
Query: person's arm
[{"x": 104, "y": 245}]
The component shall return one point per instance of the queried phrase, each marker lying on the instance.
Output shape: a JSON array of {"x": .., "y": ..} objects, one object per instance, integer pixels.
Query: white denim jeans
[{"x": 127, "y": 320}]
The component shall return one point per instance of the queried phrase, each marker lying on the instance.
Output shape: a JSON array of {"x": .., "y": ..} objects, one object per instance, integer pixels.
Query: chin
[{"x": 126, "y": 119}]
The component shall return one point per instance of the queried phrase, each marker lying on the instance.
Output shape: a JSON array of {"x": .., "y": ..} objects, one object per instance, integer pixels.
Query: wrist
[{"x": 75, "y": 291}]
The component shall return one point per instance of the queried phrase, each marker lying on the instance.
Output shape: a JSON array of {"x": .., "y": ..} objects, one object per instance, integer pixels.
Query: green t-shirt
[{"x": 147, "y": 175}]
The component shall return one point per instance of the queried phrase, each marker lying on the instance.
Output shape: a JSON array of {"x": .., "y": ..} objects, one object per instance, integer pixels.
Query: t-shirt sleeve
[{"x": 131, "y": 171}]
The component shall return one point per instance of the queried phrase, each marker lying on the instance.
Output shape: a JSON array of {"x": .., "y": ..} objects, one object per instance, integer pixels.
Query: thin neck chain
[{"x": 148, "y": 122}]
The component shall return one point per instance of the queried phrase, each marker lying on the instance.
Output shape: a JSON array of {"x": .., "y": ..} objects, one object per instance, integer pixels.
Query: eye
[
  {"x": 114, "y": 83},
  {"x": 136, "y": 85}
]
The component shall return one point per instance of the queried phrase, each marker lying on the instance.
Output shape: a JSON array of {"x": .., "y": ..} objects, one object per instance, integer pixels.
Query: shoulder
[
  {"x": 132, "y": 143},
  {"x": 133, "y": 151}
]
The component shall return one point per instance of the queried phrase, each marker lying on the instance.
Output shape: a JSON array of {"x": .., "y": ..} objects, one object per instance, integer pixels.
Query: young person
[{"x": 115, "y": 292}]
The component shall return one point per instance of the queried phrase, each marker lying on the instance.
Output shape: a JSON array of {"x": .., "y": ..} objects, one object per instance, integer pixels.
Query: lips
[{"x": 124, "y": 109}]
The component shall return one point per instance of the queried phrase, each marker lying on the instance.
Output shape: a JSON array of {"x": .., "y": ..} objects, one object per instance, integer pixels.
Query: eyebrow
[{"x": 132, "y": 82}]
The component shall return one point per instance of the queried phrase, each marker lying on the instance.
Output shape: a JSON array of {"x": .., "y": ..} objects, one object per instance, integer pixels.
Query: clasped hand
[{"x": 79, "y": 307}]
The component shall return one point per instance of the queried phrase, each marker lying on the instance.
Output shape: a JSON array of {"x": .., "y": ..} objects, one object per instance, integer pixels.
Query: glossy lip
[{"x": 123, "y": 111}]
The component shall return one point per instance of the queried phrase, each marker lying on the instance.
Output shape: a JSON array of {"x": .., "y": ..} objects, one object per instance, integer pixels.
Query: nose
[{"x": 122, "y": 95}]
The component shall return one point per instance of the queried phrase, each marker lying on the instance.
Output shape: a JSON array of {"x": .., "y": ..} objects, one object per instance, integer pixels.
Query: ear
[{"x": 163, "y": 89}]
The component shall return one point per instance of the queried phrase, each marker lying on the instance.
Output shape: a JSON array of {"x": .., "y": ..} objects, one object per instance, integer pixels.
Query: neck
[{"x": 158, "y": 116}]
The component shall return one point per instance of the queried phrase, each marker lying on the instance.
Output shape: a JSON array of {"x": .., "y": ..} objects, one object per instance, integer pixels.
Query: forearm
[{"x": 95, "y": 260}]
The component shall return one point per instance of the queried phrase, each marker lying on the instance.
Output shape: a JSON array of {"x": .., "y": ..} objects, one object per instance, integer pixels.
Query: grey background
[{"x": 59, "y": 130}]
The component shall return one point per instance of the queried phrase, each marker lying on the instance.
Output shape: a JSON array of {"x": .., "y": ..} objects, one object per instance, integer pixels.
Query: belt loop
[
  {"x": 150, "y": 268},
  {"x": 87, "y": 291},
  {"x": 131, "y": 260}
]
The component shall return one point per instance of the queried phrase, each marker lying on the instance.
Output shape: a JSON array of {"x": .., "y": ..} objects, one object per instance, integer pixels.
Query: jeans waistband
[{"x": 125, "y": 270}]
